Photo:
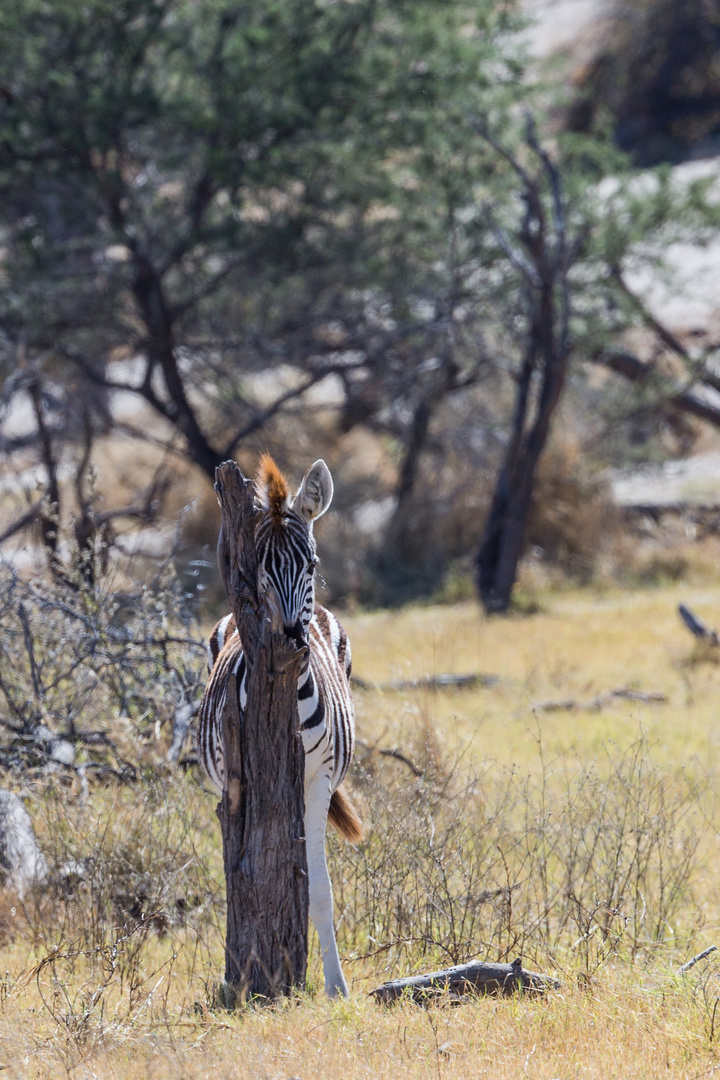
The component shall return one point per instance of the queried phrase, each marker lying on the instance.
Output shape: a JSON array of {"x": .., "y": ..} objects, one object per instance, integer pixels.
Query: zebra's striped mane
[{"x": 272, "y": 488}]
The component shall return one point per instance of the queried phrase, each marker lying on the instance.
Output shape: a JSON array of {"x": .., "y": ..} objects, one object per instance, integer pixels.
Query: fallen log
[
  {"x": 432, "y": 682},
  {"x": 596, "y": 704},
  {"x": 477, "y": 977}
]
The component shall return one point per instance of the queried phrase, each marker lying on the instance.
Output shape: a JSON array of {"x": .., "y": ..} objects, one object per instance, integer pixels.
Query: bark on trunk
[
  {"x": 543, "y": 260},
  {"x": 504, "y": 537},
  {"x": 159, "y": 324},
  {"x": 262, "y": 807}
]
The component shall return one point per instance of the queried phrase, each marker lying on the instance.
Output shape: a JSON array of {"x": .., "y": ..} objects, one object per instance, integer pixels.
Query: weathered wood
[
  {"x": 696, "y": 626},
  {"x": 696, "y": 959},
  {"x": 262, "y": 807},
  {"x": 477, "y": 977}
]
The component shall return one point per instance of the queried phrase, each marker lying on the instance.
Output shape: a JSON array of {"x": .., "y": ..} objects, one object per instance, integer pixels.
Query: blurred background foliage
[
  {"x": 383, "y": 233},
  {"x": 376, "y": 231}
]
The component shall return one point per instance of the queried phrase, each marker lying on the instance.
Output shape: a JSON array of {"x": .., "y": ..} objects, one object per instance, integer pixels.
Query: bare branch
[
  {"x": 514, "y": 254},
  {"x": 665, "y": 335},
  {"x": 635, "y": 370},
  {"x": 29, "y": 518}
]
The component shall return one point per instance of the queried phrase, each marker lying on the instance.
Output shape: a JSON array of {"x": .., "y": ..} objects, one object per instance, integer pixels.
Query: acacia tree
[
  {"x": 543, "y": 263},
  {"x": 219, "y": 188}
]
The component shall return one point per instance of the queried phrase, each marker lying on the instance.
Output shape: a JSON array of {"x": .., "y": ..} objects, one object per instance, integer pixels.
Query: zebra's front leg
[{"x": 317, "y": 801}]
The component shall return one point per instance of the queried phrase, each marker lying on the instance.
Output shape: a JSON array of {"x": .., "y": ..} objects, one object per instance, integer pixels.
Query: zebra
[{"x": 286, "y": 560}]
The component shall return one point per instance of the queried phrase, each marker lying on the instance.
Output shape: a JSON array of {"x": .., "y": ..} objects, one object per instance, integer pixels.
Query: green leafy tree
[
  {"x": 218, "y": 188},
  {"x": 214, "y": 190}
]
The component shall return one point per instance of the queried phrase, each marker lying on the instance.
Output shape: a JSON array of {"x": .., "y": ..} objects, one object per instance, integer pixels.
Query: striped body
[{"x": 324, "y": 703}]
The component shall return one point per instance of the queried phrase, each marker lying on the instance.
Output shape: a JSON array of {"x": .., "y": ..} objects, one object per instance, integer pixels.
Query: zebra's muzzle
[{"x": 297, "y": 633}]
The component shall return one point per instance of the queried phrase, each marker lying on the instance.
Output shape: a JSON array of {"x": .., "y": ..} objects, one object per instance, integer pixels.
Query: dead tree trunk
[
  {"x": 262, "y": 808},
  {"x": 542, "y": 259}
]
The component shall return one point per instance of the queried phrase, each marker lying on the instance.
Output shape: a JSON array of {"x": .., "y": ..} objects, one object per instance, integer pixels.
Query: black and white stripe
[{"x": 325, "y": 708}]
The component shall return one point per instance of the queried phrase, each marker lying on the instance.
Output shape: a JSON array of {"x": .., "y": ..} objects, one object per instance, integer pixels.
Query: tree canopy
[
  {"x": 219, "y": 187},
  {"x": 197, "y": 193}
]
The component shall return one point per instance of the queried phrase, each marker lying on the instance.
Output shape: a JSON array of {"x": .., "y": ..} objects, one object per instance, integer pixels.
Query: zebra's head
[{"x": 285, "y": 542}]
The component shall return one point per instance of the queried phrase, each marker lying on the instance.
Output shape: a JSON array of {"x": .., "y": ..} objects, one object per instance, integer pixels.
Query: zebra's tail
[{"x": 343, "y": 815}]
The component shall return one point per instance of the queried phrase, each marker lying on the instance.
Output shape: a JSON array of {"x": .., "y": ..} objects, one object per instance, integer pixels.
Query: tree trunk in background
[
  {"x": 503, "y": 540},
  {"x": 262, "y": 807},
  {"x": 543, "y": 259}
]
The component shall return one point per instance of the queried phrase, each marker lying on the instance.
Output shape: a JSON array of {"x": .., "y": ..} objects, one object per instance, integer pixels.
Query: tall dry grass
[
  {"x": 568, "y": 868},
  {"x": 584, "y": 839}
]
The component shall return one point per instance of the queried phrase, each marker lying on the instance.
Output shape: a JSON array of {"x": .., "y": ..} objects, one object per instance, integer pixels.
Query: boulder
[{"x": 21, "y": 861}]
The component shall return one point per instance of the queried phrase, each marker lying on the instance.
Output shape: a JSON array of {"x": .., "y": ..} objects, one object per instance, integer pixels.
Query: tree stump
[{"x": 262, "y": 808}]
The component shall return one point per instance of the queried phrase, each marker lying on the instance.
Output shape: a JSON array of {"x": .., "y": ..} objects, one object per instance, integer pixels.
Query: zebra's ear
[{"x": 315, "y": 493}]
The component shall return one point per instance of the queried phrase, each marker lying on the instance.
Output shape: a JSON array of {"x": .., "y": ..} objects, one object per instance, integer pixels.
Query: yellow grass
[
  {"x": 581, "y": 646},
  {"x": 625, "y": 1028},
  {"x": 152, "y": 1015}
]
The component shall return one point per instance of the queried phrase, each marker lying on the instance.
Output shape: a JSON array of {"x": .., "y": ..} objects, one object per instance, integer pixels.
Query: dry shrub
[
  {"x": 704, "y": 983},
  {"x": 90, "y": 676},
  {"x": 568, "y": 869},
  {"x": 659, "y": 568},
  {"x": 88, "y": 989},
  {"x": 132, "y": 908},
  {"x": 93, "y": 686},
  {"x": 574, "y": 524},
  {"x": 141, "y": 855},
  {"x": 434, "y": 537}
]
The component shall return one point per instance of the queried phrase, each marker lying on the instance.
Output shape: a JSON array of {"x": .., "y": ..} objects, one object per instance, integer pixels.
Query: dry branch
[
  {"x": 477, "y": 977},
  {"x": 697, "y": 626},
  {"x": 700, "y": 956},
  {"x": 387, "y": 751}
]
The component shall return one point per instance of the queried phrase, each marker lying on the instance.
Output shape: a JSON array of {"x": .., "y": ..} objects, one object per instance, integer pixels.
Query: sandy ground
[{"x": 694, "y": 481}]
